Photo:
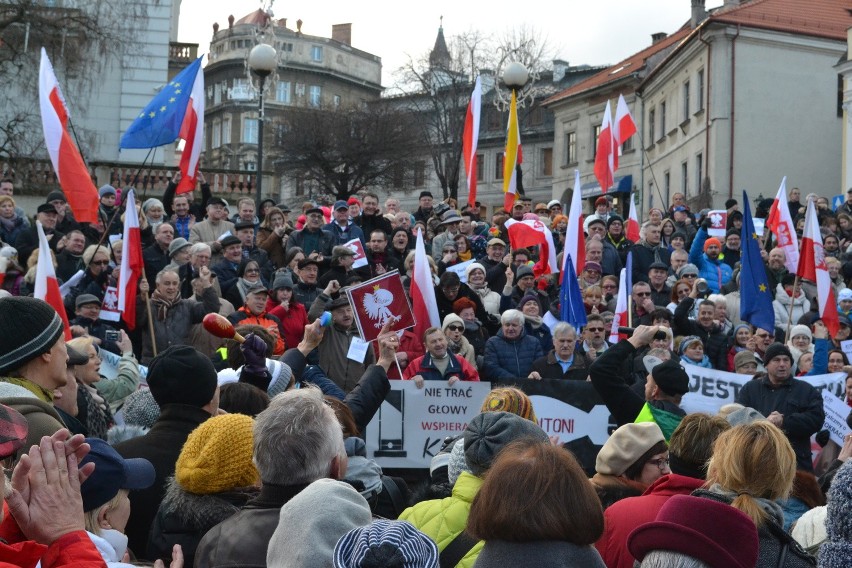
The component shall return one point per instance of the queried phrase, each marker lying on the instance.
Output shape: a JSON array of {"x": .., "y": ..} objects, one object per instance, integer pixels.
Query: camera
[
  {"x": 701, "y": 286},
  {"x": 628, "y": 331},
  {"x": 110, "y": 335}
]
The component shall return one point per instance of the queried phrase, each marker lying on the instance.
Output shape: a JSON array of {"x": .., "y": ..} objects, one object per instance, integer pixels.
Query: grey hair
[
  {"x": 562, "y": 328},
  {"x": 670, "y": 559},
  {"x": 165, "y": 271},
  {"x": 513, "y": 316},
  {"x": 92, "y": 250},
  {"x": 296, "y": 438},
  {"x": 199, "y": 247},
  {"x": 660, "y": 353},
  {"x": 716, "y": 298}
]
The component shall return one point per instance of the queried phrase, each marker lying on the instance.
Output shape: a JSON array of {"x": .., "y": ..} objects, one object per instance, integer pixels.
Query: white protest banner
[
  {"x": 360, "y": 256},
  {"x": 836, "y": 411},
  {"x": 460, "y": 269},
  {"x": 758, "y": 226},
  {"x": 846, "y": 346},
  {"x": 718, "y": 223},
  {"x": 73, "y": 281},
  {"x": 410, "y": 426},
  {"x": 109, "y": 365},
  {"x": 710, "y": 389}
]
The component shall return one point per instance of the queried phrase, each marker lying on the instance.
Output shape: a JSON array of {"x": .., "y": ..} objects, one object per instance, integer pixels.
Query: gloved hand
[
  {"x": 707, "y": 223},
  {"x": 254, "y": 351}
]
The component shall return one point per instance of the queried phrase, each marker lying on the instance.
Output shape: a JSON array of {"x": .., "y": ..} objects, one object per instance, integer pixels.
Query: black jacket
[
  {"x": 155, "y": 259},
  {"x": 644, "y": 256},
  {"x": 622, "y": 401},
  {"x": 549, "y": 368},
  {"x": 161, "y": 446},
  {"x": 715, "y": 342},
  {"x": 798, "y": 401}
]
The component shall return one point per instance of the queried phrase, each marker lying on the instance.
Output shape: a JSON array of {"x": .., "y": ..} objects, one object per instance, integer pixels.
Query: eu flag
[
  {"x": 755, "y": 296},
  {"x": 161, "y": 120},
  {"x": 571, "y": 307}
]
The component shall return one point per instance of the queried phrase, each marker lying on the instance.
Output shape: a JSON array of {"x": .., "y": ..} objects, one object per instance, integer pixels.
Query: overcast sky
[{"x": 579, "y": 31}]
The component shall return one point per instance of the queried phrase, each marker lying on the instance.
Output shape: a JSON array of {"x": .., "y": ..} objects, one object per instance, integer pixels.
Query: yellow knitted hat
[{"x": 217, "y": 456}]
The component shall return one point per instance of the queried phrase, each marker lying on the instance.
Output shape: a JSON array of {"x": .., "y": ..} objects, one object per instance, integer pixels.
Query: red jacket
[
  {"x": 73, "y": 549},
  {"x": 244, "y": 317},
  {"x": 293, "y": 322},
  {"x": 625, "y": 515},
  {"x": 458, "y": 367},
  {"x": 410, "y": 345}
]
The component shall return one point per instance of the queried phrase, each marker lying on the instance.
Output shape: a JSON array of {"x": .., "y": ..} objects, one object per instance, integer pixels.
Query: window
[
  {"x": 628, "y": 145},
  {"x": 216, "y": 135},
  {"x": 336, "y": 100},
  {"x": 547, "y": 162},
  {"x": 699, "y": 172},
  {"x": 250, "y": 131},
  {"x": 300, "y": 89},
  {"x": 419, "y": 173},
  {"x": 684, "y": 178},
  {"x": 651, "y": 116},
  {"x": 217, "y": 94},
  {"x": 596, "y": 133},
  {"x": 314, "y": 95},
  {"x": 570, "y": 148},
  {"x": 699, "y": 93},
  {"x": 536, "y": 117},
  {"x": 316, "y": 53},
  {"x": 480, "y": 167},
  {"x": 226, "y": 131},
  {"x": 493, "y": 119},
  {"x": 498, "y": 166},
  {"x": 250, "y": 165},
  {"x": 662, "y": 119},
  {"x": 686, "y": 101},
  {"x": 667, "y": 178},
  {"x": 282, "y": 92}
]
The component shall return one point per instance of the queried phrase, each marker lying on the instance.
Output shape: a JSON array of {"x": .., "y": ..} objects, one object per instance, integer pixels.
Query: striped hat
[
  {"x": 509, "y": 399},
  {"x": 385, "y": 544},
  {"x": 28, "y": 328}
]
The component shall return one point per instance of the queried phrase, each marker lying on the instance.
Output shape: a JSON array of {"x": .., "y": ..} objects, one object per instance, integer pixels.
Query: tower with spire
[{"x": 440, "y": 57}]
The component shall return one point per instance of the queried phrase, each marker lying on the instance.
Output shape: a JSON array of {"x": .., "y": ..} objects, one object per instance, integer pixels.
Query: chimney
[
  {"x": 698, "y": 13},
  {"x": 559, "y": 69},
  {"x": 342, "y": 33},
  {"x": 658, "y": 37}
]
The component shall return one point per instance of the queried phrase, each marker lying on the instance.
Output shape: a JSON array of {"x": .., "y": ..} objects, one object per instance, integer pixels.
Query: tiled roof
[{"x": 257, "y": 17}]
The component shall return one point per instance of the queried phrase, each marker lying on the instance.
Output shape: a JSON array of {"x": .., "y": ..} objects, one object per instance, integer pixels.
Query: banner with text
[{"x": 109, "y": 366}]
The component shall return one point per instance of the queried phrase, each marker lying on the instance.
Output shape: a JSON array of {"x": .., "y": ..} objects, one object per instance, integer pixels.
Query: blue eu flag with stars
[
  {"x": 755, "y": 296},
  {"x": 571, "y": 307},
  {"x": 160, "y": 122}
]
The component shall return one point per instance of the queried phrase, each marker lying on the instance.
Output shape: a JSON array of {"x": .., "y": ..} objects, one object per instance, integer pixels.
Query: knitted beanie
[
  {"x": 801, "y": 330},
  {"x": 712, "y": 241},
  {"x": 457, "y": 464},
  {"x": 450, "y": 319},
  {"x": 140, "y": 409},
  {"x": 626, "y": 445},
  {"x": 471, "y": 267},
  {"x": 490, "y": 432},
  {"x": 509, "y": 399},
  {"x": 217, "y": 456},
  {"x": 386, "y": 544},
  {"x": 182, "y": 375},
  {"x": 776, "y": 350},
  {"x": 28, "y": 328},
  {"x": 837, "y": 551}
]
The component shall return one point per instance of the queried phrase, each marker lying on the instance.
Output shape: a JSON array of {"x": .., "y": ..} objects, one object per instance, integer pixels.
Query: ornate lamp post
[{"x": 262, "y": 61}]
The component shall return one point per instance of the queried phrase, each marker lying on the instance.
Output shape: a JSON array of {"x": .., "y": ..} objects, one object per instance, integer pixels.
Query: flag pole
[
  {"x": 151, "y": 323},
  {"x": 796, "y": 284}
]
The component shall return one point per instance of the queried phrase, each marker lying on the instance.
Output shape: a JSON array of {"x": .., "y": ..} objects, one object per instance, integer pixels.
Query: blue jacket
[
  {"x": 715, "y": 272},
  {"x": 353, "y": 231},
  {"x": 510, "y": 359}
]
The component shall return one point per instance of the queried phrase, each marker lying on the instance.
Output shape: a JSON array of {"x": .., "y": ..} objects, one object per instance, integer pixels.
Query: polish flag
[
  {"x": 423, "y": 292},
  {"x": 604, "y": 157},
  {"x": 812, "y": 267},
  {"x": 632, "y": 228},
  {"x": 575, "y": 239},
  {"x": 46, "y": 284},
  {"x": 192, "y": 132},
  {"x": 623, "y": 128},
  {"x": 781, "y": 225},
  {"x": 131, "y": 263},
  {"x": 471, "y": 139},
  {"x": 73, "y": 175},
  {"x": 620, "y": 318},
  {"x": 530, "y": 233}
]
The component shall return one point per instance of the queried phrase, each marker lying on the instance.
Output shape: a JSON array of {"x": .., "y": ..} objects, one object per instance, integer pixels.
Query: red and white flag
[
  {"x": 812, "y": 267},
  {"x": 575, "y": 238},
  {"x": 620, "y": 319},
  {"x": 623, "y": 128},
  {"x": 423, "y": 291},
  {"x": 357, "y": 247},
  {"x": 73, "y": 175},
  {"x": 192, "y": 132},
  {"x": 605, "y": 155},
  {"x": 471, "y": 139},
  {"x": 376, "y": 301},
  {"x": 781, "y": 224},
  {"x": 46, "y": 284},
  {"x": 530, "y": 233},
  {"x": 131, "y": 263},
  {"x": 632, "y": 228}
]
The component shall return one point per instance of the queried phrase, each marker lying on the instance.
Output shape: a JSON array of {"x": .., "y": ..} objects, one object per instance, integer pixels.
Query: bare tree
[{"x": 346, "y": 150}]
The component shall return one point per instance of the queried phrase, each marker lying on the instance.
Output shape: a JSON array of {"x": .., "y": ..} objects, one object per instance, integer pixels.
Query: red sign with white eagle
[{"x": 376, "y": 301}]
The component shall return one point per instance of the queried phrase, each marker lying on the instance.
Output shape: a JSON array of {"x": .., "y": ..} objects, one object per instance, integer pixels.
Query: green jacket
[
  {"x": 125, "y": 383},
  {"x": 444, "y": 519}
]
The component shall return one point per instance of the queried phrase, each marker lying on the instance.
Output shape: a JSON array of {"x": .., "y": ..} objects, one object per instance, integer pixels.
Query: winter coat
[
  {"x": 324, "y": 244},
  {"x": 644, "y": 255},
  {"x": 42, "y": 418},
  {"x": 715, "y": 343},
  {"x": 542, "y": 333},
  {"x": 510, "y": 359},
  {"x": 443, "y": 520},
  {"x": 292, "y": 324},
  {"x": 11, "y": 235},
  {"x": 490, "y": 299},
  {"x": 781, "y": 305},
  {"x": 334, "y": 347},
  {"x": 174, "y": 330},
  {"x": 265, "y": 320},
  {"x": 465, "y": 351},
  {"x": 409, "y": 344},
  {"x": 549, "y": 368},
  {"x": 627, "y": 514},
  {"x": 538, "y": 554},
  {"x": 715, "y": 272},
  {"x": 270, "y": 242},
  {"x": 799, "y": 402},
  {"x": 74, "y": 550},
  {"x": 184, "y": 518},
  {"x": 457, "y": 367},
  {"x": 341, "y": 237},
  {"x": 161, "y": 446},
  {"x": 97, "y": 328},
  {"x": 112, "y": 545},
  {"x": 206, "y": 232}
]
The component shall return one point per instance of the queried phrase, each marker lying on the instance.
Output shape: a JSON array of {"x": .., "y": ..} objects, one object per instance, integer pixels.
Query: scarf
[
  {"x": 243, "y": 286},
  {"x": 534, "y": 321},
  {"x": 98, "y": 416},
  {"x": 9, "y": 224},
  {"x": 705, "y": 361},
  {"x": 467, "y": 255},
  {"x": 38, "y": 390},
  {"x": 164, "y": 304},
  {"x": 454, "y": 346}
]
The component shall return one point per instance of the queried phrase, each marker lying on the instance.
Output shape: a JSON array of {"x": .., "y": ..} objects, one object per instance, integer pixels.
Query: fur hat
[
  {"x": 490, "y": 432},
  {"x": 217, "y": 456},
  {"x": 182, "y": 375},
  {"x": 28, "y": 328},
  {"x": 385, "y": 544},
  {"x": 626, "y": 445}
]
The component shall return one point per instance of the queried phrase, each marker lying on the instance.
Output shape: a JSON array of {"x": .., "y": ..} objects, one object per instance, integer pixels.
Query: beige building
[{"x": 845, "y": 70}]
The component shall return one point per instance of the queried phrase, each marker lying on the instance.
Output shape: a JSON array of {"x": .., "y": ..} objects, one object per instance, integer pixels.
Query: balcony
[{"x": 182, "y": 54}]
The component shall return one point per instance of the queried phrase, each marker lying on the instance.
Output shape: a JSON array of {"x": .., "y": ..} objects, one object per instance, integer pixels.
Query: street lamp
[
  {"x": 515, "y": 75},
  {"x": 262, "y": 61}
]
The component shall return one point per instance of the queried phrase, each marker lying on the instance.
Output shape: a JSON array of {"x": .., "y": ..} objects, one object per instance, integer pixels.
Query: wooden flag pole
[
  {"x": 796, "y": 284},
  {"x": 150, "y": 323}
]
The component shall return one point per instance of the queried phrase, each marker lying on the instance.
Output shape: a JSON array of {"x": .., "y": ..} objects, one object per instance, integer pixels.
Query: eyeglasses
[
  {"x": 100, "y": 262},
  {"x": 661, "y": 463},
  {"x": 642, "y": 294},
  {"x": 761, "y": 335},
  {"x": 689, "y": 276},
  {"x": 252, "y": 270},
  {"x": 610, "y": 287},
  {"x": 455, "y": 328},
  {"x": 595, "y": 329}
]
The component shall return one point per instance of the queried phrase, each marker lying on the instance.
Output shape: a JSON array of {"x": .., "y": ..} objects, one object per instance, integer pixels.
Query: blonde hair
[
  {"x": 81, "y": 344},
  {"x": 755, "y": 461},
  {"x": 5, "y": 198},
  {"x": 91, "y": 517},
  {"x": 92, "y": 250}
]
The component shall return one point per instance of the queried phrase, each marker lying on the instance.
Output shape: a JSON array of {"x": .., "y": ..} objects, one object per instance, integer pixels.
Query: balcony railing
[{"x": 182, "y": 53}]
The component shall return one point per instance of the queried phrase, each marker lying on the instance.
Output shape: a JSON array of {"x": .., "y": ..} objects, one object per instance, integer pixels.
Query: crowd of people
[{"x": 210, "y": 452}]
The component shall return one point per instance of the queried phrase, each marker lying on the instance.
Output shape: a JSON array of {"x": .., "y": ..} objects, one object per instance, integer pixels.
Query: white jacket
[{"x": 781, "y": 305}]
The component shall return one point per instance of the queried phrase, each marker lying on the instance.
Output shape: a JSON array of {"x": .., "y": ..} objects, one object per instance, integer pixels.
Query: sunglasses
[
  {"x": 100, "y": 262},
  {"x": 455, "y": 328},
  {"x": 642, "y": 294},
  {"x": 595, "y": 329}
]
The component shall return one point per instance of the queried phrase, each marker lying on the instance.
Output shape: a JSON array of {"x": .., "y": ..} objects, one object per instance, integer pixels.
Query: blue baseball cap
[
  {"x": 112, "y": 473},
  {"x": 340, "y": 205}
]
